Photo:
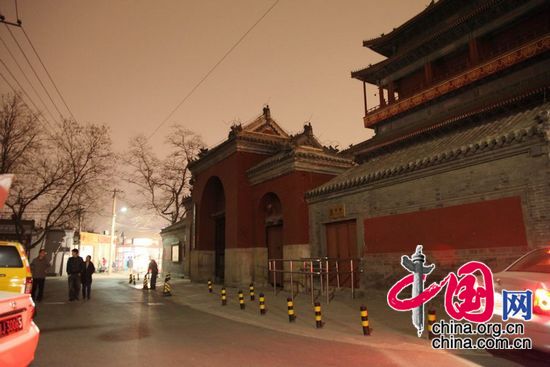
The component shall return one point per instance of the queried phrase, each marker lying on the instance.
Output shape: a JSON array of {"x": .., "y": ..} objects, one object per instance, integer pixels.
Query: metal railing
[{"x": 323, "y": 271}]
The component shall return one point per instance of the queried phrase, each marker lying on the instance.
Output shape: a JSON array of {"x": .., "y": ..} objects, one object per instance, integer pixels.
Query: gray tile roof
[{"x": 460, "y": 142}]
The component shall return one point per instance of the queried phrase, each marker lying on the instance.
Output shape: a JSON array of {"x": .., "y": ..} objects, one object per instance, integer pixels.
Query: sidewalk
[{"x": 390, "y": 330}]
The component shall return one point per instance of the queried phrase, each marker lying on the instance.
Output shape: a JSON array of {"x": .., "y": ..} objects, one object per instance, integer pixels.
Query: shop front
[{"x": 97, "y": 246}]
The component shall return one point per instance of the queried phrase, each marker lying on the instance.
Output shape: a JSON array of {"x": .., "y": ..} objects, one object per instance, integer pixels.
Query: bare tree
[
  {"x": 20, "y": 134},
  {"x": 164, "y": 183},
  {"x": 55, "y": 167}
]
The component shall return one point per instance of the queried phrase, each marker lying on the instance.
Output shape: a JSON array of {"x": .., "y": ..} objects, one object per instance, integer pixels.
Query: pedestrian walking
[
  {"x": 39, "y": 266},
  {"x": 86, "y": 277},
  {"x": 153, "y": 270},
  {"x": 74, "y": 269}
]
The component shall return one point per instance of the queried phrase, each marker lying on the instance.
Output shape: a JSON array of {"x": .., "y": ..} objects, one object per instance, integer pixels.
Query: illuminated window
[{"x": 176, "y": 253}]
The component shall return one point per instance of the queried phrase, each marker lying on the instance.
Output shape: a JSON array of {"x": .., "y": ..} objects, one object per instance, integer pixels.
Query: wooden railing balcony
[{"x": 490, "y": 67}]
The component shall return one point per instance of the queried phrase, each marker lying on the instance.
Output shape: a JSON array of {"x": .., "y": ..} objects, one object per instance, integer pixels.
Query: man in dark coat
[
  {"x": 153, "y": 270},
  {"x": 74, "y": 269},
  {"x": 86, "y": 277},
  {"x": 39, "y": 267}
]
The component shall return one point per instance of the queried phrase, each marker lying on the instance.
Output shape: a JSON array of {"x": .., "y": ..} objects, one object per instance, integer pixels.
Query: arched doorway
[
  {"x": 212, "y": 224},
  {"x": 270, "y": 206}
]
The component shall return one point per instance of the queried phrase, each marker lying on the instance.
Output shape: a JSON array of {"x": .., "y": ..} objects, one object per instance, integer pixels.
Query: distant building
[
  {"x": 57, "y": 243},
  {"x": 134, "y": 254},
  {"x": 176, "y": 241},
  {"x": 248, "y": 199},
  {"x": 97, "y": 246},
  {"x": 460, "y": 159},
  {"x": 9, "y": 232}
]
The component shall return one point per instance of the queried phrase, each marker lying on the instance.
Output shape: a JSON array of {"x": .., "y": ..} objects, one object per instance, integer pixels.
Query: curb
[{"x": 303, "y": 326}]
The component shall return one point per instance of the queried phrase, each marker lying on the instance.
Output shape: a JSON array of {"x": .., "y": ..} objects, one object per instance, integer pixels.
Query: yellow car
[{"x": 15, "y": 271}]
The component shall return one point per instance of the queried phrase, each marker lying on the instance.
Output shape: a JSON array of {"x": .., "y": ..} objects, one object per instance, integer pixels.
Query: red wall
[
  {"x": 244, "y": 218},
  {"x": 493, "y": 223},
  {"x": 232, "y": 173},
  {"x": 290, "y": 189}
]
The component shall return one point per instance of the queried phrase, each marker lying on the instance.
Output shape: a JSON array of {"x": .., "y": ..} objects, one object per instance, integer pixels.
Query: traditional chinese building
[
  {"x": 460, "y": 157},
  {"x": 248, "y": 198}
]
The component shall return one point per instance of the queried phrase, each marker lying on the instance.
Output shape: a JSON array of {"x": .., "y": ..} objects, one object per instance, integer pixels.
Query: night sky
[{"x": 128, "y": 64}]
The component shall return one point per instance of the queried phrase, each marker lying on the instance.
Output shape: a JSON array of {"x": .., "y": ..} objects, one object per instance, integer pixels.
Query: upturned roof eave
[{"x": 383, "y": 43}]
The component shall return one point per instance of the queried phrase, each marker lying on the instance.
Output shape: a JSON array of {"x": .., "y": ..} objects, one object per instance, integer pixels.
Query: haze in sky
[{"x": 129, "y": 63}]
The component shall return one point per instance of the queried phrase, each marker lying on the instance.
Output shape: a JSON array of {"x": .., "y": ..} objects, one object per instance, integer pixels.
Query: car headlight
[{"x": 541, "y": 304}]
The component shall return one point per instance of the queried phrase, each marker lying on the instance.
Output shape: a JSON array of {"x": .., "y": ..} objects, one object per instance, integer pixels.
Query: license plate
[{"x": 10, "y": 326}]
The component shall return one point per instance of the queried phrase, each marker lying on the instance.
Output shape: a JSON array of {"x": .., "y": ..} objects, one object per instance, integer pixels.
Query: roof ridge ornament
[
  {"x": 236, "y": 128},
  {"x": 267, "y": 114},
  {"x": 308, "y": 129}
]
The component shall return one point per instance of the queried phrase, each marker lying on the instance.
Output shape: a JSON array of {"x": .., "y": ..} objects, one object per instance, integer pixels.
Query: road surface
[{"x": 121, "y": 326}]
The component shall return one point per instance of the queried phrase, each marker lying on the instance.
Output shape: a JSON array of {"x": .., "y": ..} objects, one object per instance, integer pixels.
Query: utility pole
[
  {"x": 18, "y": 24},
  {"x": 112, "y": 244}
]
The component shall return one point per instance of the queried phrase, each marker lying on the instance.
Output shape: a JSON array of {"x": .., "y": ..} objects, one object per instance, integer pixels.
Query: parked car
[
  {"x": 15, "y": 270},
  {"x": 18, "y": 332},
  {"x": 529, "y": 272}
]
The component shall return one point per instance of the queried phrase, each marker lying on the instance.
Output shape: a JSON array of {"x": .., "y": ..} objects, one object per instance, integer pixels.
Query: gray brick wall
[
  {"x": 170, "y": 238},
  {"x": 513, "y": 171}
]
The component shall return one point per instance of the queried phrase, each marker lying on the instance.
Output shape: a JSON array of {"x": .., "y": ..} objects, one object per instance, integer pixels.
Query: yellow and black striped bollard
[
  {"x": 138, "y": 276},
  {"x": 241, "y": 300},
  {"x": 209, "y": 286},
  {"x": 365, "y": 320},
  {"x": 318, "y": 320},
  {"x": 134, "y": 279},
  {"x": 262, "y": 304},
  {"x": 431, "y": 321},
  {"x": 145, "y": 283},
  {"x": 224, "y": 297},
  {"x": 252, "y": 295},
  {"x": 290, "y": 306},
  {"x": 167, "y": 288},
  {"x": 131, "y": 277}
]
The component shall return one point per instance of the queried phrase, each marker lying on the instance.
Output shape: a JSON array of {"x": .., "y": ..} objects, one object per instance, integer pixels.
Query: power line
[
  {"x": 34, "y": 71},
  {"x": 48, "y": 73},
  {"x": 17, "y": 11},
  {"x": 27, "y": 78},
  {"x": 3, "y": 20},
  {"x": 8, "y": 83},
  {"x": 14, "y": 90},
  {"x": 212, "y": 69},
  {"x": 22, "y": 89}
]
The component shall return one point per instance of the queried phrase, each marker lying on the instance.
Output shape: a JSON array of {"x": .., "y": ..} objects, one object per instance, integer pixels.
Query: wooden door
[
  {"x": 274, "y": 239},
  {"x": 219, "y": 246},
  {"x": 342, "y": 244}
]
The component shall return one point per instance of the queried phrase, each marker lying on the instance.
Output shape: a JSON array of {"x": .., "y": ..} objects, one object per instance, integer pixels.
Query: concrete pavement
[
  {"x": 390, "y": 330},
  {"x": 122, "y": 326}
]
